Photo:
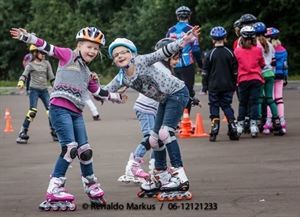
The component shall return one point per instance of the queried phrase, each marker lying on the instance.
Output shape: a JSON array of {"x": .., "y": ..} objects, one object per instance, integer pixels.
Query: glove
[
  {"x": 21, "y": 84},
  {"x": 195, "y": 102},
  {"x": 285, "y": 82},
  {"x": 115, "y": 97}
]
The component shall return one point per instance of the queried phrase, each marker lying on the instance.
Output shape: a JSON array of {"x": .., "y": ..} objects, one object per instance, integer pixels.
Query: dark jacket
[{"x": 220, "y": 70}]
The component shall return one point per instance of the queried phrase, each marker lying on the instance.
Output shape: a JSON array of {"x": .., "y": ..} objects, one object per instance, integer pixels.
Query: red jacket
[{"x": 250, "y": 63}]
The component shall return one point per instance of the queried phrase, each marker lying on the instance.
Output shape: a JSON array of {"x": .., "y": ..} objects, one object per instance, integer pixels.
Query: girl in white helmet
[
  {"x": 72, "y": 83},
  {"x": 140, "y": 73}
]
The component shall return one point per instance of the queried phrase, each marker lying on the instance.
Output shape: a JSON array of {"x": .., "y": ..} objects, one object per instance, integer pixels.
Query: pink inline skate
[{"x": 57, "y": 198}]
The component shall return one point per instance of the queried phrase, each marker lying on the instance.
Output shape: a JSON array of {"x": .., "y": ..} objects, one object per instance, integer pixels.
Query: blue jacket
[{"x": 191, "y": 52}]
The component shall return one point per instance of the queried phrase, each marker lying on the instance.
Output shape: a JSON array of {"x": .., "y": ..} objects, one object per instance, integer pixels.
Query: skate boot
[
  {"x": 133, "y": 172},
  {"x": 23, "y": 137},
  {"x": 268, "y": 126},
  {"x": 247, "y": 125},
  {"x": 253, "y": 128},
  {"x": 232, "y": 130},
  {"x": 277, "y": 129},
  {"x": 215, "y": 126},
  {"x": 57, "y": 198},
  {"x": 54, "y": 136},
  {"x": 283, "y": 124},
  {"x": 240, "y": 127},
  {"x": 152, "y": 187},
  {"x": 93, "y": 190},
  {"x": 177, "y": 187}
]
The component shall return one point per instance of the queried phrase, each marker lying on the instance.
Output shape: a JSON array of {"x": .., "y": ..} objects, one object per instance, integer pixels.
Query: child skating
[
  {"x": 139, "y": 73},
  {"x": 71, "y": 86},
  {"x": 271, "y": 123},
  {"x": 219, "y": 79},
  {"x": 146, "y": 109},
  {"x": 40, "y": 72},
  {"x": 281, "y": 73},
  {"x": 250, "y": 64}
]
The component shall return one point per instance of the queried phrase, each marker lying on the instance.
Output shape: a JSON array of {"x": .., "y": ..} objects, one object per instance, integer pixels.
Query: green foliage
[{"x": 142, "y": 21}]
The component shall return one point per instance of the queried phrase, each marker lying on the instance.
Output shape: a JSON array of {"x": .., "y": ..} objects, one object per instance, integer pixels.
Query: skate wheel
[
  {"x": 73, "y": 208},
  {"x": 54, "y": 207},
  {"x": 141, "y": 194},
  {"x": 179, "y": 197},
  {"x": 63, "y": 207},
  {"x": 189, "y": 196}
]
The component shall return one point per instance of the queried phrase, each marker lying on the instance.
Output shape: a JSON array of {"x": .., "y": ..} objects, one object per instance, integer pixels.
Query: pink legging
[{"x": 278, "y": 98}]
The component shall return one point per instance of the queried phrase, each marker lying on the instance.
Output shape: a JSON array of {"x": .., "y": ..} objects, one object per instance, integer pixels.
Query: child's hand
[
  {"x": 191, "y": 35},
  {"x": 94, "y": 76},
  {"x": 23, "y": 35},
  {"x": 17, "y": 33},
  {"x": 20, "y": 84}
]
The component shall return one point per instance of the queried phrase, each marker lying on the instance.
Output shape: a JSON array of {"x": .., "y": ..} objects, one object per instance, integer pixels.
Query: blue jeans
[
  {"x": 70, "y": 128},
  {"x": 146, "y": 124},
  {"x": 219, "y": 100},
  {"x": 34, "y": 95},
  {"x": 169, "y": 114}
]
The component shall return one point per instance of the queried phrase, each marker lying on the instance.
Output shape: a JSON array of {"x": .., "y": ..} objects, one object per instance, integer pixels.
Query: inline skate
[
  {"x": 277, "y": 128},
  {"x": 23, "y": 136},
  {"x": 268, "y": 126},
  {"x": 215, "y": 126},
  {"x": 133, "y": 172},
  {"x": 93, "y": 190},
  {"x": 57, "y": 198},
  {"x": 253, "y": 128},
  {"x": 232, "y": 130},
  {"x": 176, "y": 188},
  {"x": 152, "y": 187},
  {"x": 283, "y": 124}
]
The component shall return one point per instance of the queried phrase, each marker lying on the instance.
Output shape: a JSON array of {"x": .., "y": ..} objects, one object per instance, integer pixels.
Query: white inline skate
[
  {"x": 253, "y": 128},
  {"x": 167, "y": 185},
  {"x": 152, "y": 187},
  {"x": 283, "y": 124},
  {"x": 133, "y": 171},
  {"x": 177, "y": 187},
  {"x": 93, "y": 190},
  {"x": 57, "y": 198}
]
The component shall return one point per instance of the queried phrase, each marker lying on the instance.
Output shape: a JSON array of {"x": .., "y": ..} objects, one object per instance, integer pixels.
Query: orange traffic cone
[
  {"x": 225, "y": 119},
  {"x": 185, "y": 125},
  {"x": 199, "y": 129},
  {"x": 8, "y": 125}
]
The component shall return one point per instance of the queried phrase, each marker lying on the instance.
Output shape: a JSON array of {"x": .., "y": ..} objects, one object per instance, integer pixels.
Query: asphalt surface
[{"x": 248, "y": 178}]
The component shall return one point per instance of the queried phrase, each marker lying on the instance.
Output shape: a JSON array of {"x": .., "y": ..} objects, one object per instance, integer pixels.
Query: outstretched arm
[
  {"x": 172, "y": 48},
  {"x": 63, "y": 54}
]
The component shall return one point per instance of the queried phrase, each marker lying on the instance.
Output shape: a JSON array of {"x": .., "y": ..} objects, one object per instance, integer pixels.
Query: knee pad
[
  {"x": 85, "y": 154},
  {"x": 155, "y": 143},
  {"x": 279, "y": 100},
  {"x": 166, "y": 134},
  {"x": 31, "y": 114},
  {"x": 69, "y": 151},
  {"x": 145, "y": 142}
]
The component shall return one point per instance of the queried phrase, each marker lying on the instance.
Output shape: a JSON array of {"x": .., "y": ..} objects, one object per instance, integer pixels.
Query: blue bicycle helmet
[
  {"x": 218, "y": 33},
  {"x": 260, "y": 28},
  {"x": 122, "y": 42},
  {"x": 272, "y": 33}
]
